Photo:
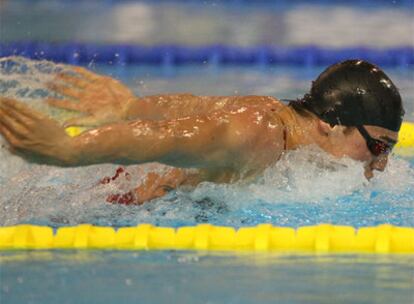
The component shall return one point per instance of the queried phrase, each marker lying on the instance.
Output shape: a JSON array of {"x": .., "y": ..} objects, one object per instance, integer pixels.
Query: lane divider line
[{"x": 322, "y": 238}]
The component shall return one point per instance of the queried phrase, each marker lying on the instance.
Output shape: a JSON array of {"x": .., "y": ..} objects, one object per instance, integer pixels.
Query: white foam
[{"x": 306, "y": 175}]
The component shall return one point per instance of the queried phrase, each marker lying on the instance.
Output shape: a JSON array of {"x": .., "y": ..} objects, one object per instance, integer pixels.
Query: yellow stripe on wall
[{"x": 406, "y": 135}]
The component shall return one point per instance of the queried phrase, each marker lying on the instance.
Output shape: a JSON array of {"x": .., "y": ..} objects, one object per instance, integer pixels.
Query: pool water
[
  {"x": 305, "y": 187},
  {"x": 88, "y": 277}
]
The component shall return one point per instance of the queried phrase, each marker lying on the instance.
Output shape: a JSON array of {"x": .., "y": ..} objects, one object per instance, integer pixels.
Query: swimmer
[{"x": 352, "y": 110}]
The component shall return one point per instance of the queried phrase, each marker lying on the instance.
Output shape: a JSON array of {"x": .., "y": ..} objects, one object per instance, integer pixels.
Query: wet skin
[{"x": 225, "y": 138}]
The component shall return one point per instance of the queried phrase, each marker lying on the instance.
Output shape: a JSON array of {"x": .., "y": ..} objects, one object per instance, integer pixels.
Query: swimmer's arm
[
  {"x": 217, "y": 140},
  {"x": 103, "y": 99},
  {"x": 159, "y": 184},
  {"x": 171, "y": 106},
  {"x": 222, "y": 139}
]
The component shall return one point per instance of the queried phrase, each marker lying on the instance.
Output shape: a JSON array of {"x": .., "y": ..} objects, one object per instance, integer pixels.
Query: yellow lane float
[{"x": 323, "y": 238}]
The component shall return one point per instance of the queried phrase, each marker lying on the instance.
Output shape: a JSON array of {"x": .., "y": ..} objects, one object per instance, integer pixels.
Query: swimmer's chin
[{"x": 368, "y": 174}]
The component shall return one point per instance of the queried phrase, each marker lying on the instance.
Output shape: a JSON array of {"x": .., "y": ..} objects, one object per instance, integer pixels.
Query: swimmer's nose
[{"x": 368, "y": 173}]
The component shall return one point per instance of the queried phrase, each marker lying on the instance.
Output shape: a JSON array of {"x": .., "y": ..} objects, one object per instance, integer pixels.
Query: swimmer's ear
[{"x": 324, "y": 128}]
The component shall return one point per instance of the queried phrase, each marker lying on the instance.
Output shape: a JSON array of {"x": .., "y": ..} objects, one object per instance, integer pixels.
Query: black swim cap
[{"x": 355, "y": 92}]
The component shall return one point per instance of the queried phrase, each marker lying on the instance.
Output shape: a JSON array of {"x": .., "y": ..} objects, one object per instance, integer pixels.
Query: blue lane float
[
  {"x": 278, "y": 3},
  {"x": 165, "y": 55}
]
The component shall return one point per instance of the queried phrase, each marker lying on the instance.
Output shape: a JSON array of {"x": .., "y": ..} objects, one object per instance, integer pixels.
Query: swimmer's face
[{"x": 352, "y": 144}]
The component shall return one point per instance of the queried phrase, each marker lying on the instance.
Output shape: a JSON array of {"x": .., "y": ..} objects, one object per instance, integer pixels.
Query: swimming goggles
[{"x": 376, "y": 146}]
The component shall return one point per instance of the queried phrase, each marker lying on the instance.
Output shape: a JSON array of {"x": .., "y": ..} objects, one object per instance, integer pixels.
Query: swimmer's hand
[
  {"x": 157, "y": 185},
  {"x": 29, "y": 131},
  {"x": 102, "y": 99}
]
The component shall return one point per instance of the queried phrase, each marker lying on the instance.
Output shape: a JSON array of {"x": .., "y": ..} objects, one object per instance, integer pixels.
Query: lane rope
[
  {"x": 172, "y": 55},
  {"x": 323, "y": 238}
]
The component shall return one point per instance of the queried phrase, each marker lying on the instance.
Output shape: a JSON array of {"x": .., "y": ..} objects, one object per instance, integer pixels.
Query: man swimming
[{"x": 352, "y": 110}]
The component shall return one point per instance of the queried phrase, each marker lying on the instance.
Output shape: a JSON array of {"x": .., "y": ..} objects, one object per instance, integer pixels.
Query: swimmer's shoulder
[
  {"x": 280, "y": 110},
  {"x": 265, "y": 101},
  {"x": 260, "y": 100},
  {"x": 271, "y": 107}
]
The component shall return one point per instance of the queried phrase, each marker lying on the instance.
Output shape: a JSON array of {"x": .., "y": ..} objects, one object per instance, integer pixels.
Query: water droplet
[{"x": 360, "y": 91}]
